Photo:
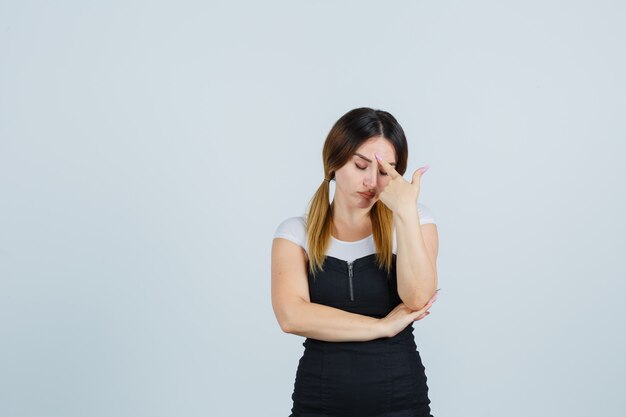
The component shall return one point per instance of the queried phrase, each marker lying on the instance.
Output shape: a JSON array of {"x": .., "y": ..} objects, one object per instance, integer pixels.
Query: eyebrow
[{"x": 369, "y": 160}]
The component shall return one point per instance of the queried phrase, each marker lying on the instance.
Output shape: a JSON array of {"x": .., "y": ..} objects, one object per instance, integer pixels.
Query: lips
[{"x": 367, "y": 195}]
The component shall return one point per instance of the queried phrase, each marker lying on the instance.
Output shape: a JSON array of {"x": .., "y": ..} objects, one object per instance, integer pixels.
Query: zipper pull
[{"x": 350, "y": 280}]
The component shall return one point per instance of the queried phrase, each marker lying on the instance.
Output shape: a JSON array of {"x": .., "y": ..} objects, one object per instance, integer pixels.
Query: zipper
[{"x": 350, "y": 280}]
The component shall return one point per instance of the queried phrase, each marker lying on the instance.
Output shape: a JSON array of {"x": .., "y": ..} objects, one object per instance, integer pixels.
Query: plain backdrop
[{"x": 149, "y": 150}]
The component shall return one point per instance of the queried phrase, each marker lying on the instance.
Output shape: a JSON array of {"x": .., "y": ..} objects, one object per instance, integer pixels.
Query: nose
[{"x": 371, "y": 176}]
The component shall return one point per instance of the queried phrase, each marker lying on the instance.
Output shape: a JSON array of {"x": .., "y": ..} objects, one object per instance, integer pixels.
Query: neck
[{"x": 350, "y": 217}]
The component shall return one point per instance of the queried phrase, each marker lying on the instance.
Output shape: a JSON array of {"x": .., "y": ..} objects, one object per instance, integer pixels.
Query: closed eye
[{"x": 363, "y": 168}]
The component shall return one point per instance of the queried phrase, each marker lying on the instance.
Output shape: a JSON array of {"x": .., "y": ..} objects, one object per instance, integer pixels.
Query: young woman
[{"x": 353, "y": 275}]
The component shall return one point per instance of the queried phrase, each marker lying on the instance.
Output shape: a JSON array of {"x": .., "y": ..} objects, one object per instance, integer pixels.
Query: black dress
[{"x": 379, "y": 378}]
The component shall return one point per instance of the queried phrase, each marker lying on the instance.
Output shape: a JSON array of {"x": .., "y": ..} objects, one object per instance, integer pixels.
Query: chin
[{"x": 366, "y": 203}]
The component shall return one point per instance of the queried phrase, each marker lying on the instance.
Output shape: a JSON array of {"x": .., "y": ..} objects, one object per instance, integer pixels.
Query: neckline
[
  {"x": 356, "y": 262},
  {"x": 352, "y": 242},
  {"x": 363, "y": 262},
  {"x": 371, "y": 255}
]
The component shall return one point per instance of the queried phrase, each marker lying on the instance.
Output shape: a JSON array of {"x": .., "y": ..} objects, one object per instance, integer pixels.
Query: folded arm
[{"x": 297, "y": 315}]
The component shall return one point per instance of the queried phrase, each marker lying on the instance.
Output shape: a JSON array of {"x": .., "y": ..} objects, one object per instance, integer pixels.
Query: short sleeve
[
  {"x": 292, "y": 229},
  {"x": 425, "y": 214}
]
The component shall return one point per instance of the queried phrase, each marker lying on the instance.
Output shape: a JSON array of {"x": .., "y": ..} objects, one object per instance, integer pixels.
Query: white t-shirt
[{"x": 293, "y": 229}]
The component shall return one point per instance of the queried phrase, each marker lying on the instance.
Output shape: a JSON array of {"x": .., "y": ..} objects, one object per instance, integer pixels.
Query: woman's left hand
[{"x": 400, "y": 193}]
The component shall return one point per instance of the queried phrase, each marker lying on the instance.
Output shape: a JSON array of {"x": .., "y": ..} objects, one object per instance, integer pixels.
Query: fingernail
[
  {"x": 425, "y": 168},
  {"x": 377, "y": 156}
]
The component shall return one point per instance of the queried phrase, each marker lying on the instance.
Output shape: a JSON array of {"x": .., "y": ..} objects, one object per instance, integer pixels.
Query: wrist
[
  {"x": 381, "y": 328},
  {"x": 406, "y": 212}
]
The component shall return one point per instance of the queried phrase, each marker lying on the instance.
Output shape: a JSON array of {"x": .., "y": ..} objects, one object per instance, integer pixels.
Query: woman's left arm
[
  {"x": 417, "y": 245},
  {"x": 416, "y": 258}
]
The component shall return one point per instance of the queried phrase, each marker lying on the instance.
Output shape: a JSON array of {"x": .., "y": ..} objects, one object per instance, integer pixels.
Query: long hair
[{"x": 345, "y": 137}]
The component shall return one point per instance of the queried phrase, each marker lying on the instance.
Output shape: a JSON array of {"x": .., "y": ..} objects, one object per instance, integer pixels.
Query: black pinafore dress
[{"x": 378, "y": 378}]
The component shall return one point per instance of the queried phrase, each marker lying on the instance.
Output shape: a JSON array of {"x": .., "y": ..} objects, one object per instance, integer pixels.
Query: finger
[
  {"x": 421, "y": 316},
  {"x": 416, "y": 176},
  {"x": 389, "y": 169}
]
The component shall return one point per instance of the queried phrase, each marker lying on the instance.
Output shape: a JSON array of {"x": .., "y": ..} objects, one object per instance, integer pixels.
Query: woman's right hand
[{"x": 401, "y": 316}]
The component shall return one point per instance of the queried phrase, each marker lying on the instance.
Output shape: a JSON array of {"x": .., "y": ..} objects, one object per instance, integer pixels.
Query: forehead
[{"x": 378, "y": 145}]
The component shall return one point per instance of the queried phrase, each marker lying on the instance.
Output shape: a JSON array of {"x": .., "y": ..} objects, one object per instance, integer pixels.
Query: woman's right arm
[{"x": 296, "y": 314}]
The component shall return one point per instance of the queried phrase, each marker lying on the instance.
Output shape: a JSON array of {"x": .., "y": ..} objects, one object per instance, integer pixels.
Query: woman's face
[{"x": 362, "y": 179}]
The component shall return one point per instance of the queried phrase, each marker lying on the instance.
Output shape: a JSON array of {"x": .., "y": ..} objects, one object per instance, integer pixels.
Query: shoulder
[
  {"x": 426, "y": 215},
  {"x": 292, "y": 229}
]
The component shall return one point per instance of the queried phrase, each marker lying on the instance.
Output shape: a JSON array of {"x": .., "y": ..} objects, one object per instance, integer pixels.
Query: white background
[{"x": 149, "y": 150}]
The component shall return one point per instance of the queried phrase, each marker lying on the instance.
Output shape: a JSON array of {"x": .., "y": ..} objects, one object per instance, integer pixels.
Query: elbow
[
  {"x": 419, "y": 301},
  {"x": 283, "y": 321},
  {"x": 287, "y": 321},
  {"x": 287, "y": 315},
  {"x": 285, "y": 326},
  {"x": 290, "y": 328},
  {"x": 415, "y": 305}
]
